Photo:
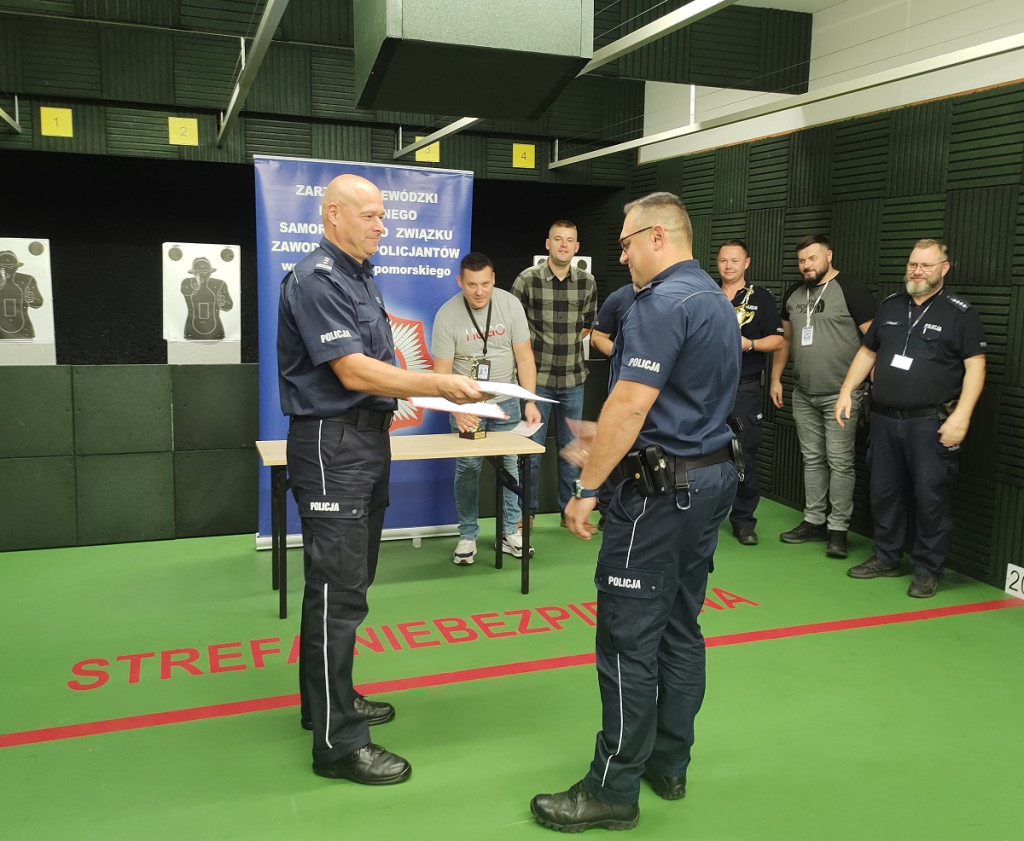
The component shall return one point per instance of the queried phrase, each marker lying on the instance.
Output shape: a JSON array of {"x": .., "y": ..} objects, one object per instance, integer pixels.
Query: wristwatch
[{"x": 581, "y": 492}]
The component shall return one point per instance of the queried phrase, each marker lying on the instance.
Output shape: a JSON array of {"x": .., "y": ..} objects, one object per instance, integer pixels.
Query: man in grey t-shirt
[
  {"x": 482, "y": 332},
  {"x": 823, "y": 319}
]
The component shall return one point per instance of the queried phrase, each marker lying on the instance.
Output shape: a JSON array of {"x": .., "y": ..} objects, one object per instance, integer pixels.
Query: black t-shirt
[
  {"x": 758, "y": 319},
  {"x": 936, "y": 337}
]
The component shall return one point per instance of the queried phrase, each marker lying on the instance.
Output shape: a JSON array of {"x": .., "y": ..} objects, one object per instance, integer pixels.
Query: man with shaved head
[{"x": 338, "y": 381}]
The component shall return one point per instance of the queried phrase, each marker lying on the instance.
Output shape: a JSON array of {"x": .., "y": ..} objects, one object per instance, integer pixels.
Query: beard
[
  {"x": 816, "y": 278},
  {"x": 921, "y": 288}
]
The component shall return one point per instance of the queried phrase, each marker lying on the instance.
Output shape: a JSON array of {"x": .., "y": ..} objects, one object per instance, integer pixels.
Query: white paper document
[
  {"x": 526, "y": 429},
  {"x": 439, "y": 404},
  {"x": 510, "y": 390}
]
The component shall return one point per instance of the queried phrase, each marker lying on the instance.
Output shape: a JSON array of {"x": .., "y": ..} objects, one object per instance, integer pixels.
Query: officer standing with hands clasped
[
  {"x": 338, "y": 381},
  {"x": 664, "y": 433},
  {"x": 927, "y": 348}
]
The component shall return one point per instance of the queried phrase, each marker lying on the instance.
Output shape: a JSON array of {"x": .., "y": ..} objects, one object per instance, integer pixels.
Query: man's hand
[
  {"x": 577, "y": 514},
  {"x": 459, "y": 389},
  {"x": 466, "y": 422},
  {"x": 953, "y": 430},
  {"x": 531, "y": 414},
  {"x": 776, "y": 393},
  {"x": 844, "y": 406},
  {"x": 577, "y": 451}
]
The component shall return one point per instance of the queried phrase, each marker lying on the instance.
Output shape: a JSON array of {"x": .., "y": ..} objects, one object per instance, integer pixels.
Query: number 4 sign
[{"x": 1015, "y": 581}]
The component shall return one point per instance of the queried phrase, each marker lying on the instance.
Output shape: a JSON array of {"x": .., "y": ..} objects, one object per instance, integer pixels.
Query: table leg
[
  {"x": 499, "y": 511},
  {"x": 524, "y": 472},
  {"x": 279, "y": 536}
]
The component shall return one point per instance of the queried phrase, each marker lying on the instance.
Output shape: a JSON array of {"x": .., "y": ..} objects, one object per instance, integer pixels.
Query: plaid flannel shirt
[{"x": 558, "y": 311}]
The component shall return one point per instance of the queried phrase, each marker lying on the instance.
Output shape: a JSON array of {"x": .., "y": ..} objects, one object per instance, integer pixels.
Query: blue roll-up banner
[{"x": 428, "y": 232}]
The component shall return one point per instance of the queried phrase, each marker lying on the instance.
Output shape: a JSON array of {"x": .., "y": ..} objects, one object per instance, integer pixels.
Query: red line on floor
[{"x": 135, "y": 722}]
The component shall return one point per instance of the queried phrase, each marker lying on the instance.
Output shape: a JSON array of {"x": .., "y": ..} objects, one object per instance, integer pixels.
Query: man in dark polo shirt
[
  {"x": 927, "y": 348},
  {"x": 674, "y": 368},
  {"x": 760, "y": 334},
  {"x": 338, "y": 381}
]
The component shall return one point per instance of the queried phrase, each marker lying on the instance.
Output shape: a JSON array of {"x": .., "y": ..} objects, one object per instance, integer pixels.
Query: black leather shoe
[
  {"x": 375, "y": 712},
  {"x": 874, "y": 568},
  {"x": 745, "y": 536},
  {"x": 576, "y": 810},
  {"x": 836, "y": 544},
  {"x": 923, "y": 586},
  {"x": 667, "y": 788},
  {"x": 371, "y": 765},
  {"x": 805, "y": 533}
]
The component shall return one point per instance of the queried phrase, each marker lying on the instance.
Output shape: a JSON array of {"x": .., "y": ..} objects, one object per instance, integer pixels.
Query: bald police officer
[{"x": 338, "y": 381}]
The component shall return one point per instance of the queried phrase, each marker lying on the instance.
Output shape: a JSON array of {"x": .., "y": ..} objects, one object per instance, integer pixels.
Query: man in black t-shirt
[
  {"x": 927, "y": 349},
  {"x": 760, "y": 334}
]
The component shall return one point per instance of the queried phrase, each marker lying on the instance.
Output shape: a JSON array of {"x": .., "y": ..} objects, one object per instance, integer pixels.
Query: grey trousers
[{"x": 828, "y": 453}]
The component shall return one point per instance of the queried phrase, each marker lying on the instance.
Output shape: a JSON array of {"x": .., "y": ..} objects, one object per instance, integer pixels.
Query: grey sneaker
[
  {"x": 512, "y": 544},
  {"x": 465, "y": 553},
  {"x": 874, "y": 568}
]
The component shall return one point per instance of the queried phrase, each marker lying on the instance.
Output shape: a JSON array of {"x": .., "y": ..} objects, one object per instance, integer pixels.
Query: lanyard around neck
[
  {"x": 476, "y": 326},
  {"x": 810, "y": 309}
]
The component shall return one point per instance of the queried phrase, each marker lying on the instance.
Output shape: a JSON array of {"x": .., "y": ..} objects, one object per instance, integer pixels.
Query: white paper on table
[
  {"x": 526, "y": 429},
  {"x": 439, "y": 404},
  {"x": 510, "y": 390}
]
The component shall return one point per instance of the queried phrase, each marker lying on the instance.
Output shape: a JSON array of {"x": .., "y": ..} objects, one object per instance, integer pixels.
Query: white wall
[{"x": 850, "y": 40}]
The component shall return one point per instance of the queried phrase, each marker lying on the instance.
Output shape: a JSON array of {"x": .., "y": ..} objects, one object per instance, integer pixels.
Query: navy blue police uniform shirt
[
  {"x": 765, "y": 322},
  {"x": 330, "y": 307},
  {"x": 948, "y": 332},
  {"x": 681, "y": 337},
  {"x": 613, "y": 309}
]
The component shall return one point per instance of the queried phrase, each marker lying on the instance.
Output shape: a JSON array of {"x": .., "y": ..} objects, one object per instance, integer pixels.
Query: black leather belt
[
  {"x": 903, "y": 414},
  {"x": 677, "y": 465},
  {"x": 363, "y": 418},
  {"x": 680, "y": 463}
]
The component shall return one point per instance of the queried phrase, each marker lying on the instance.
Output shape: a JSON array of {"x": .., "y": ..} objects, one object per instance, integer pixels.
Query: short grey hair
[{"x": 665, "y": 209}]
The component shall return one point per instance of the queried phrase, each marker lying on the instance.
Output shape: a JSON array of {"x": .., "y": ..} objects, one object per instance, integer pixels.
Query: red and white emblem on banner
[{"x": 412, "y": 354}]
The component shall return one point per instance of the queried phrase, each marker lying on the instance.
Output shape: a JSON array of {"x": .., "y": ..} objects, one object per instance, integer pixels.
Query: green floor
[{"x": 829, "y": 715}]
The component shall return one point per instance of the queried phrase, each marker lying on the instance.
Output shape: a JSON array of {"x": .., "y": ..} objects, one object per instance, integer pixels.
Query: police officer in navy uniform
[
  {"x": 927, "y": 348},
  {"x": 338, "y": 382},
  {"x": 664, "y": 433},
  {"x": 761, "y": 333}
]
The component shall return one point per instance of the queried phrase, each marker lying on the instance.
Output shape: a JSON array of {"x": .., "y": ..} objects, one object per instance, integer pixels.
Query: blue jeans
[
  {"x": 467, "y": 479},
  {"x": 570, "y": 405}
]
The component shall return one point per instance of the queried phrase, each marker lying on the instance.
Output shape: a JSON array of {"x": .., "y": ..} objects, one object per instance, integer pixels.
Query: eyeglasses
[
  {"x": 925, "y": 267},
  {"x": 624, "y": 242}
]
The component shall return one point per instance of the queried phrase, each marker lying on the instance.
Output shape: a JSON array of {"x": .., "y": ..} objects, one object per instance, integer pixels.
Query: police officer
[
  {"x": 338, "y": 382},
  {"x": 927, "y": 348},
  {"x": 674, "y": 370},
  {"x": 761, "y": 333}
]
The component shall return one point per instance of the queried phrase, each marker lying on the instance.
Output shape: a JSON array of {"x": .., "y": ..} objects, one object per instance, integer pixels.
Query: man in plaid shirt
[{"x": 560, "y": 302}]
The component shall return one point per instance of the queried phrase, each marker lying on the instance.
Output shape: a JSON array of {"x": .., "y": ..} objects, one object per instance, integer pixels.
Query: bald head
[{"x": 353, "y": 214}]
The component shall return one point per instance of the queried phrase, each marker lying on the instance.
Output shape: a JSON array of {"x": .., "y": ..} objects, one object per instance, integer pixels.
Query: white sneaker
[
  {"x": 513, "y": 545},
  {"x": 465, "y": 552}
]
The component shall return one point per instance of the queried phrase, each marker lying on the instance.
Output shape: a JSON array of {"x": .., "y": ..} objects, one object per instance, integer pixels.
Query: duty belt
[
  {"x": 363, "y": 418},
  {"x": 903, "y": 414}
]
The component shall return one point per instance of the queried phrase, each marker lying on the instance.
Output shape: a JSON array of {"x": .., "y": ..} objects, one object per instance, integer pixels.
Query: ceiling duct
[{"x": 467, "y": 57}]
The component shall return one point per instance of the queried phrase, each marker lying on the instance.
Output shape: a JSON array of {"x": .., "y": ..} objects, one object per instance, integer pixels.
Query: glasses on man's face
[
  {"x": 924, "y": 267},
  {"x": 624, "y": 243}
]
